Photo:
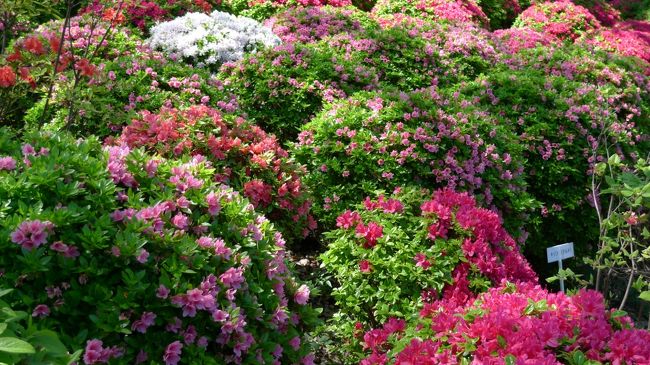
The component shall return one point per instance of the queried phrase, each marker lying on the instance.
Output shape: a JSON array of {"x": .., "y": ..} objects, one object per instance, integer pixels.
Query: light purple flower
[
  {"x": 7, "y": 163},
  {"x": 302, "y": 295},
  {"x": 173, "y": 353}
]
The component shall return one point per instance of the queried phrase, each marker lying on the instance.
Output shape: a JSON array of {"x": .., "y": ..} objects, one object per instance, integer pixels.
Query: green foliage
[
  {"x": 623, "y": 195},
  {"x": 22, "y": 341}
]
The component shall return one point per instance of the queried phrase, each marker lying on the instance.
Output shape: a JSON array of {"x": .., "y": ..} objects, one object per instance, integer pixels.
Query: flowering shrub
[
  {"x": 561, "y": 19},
  {"x": 143, "y": 259},
  {"x": 131, "y": 79},
  {"x": 561, "y": 102},
  {"x": 210, "y": 40},
  {"x": 510, "y": 324},
  {"x": 379, "y": 141},
  {"x": 144, "y": 13},
  {"x": 603, "y": 10},
  {"x": 311, "y": 24},
  {"x": 394, "y": 253},
  {"x": 454, "y": 11},
  {"x": 624, "y": 39},
  {"x": 513, "y": 40},
  {"x": 281, "y": 89},
  {"x": 244, "y": 156}
]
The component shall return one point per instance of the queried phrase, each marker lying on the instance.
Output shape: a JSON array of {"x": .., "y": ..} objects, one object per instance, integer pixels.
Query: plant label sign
[{"x": 559, "y": 252}]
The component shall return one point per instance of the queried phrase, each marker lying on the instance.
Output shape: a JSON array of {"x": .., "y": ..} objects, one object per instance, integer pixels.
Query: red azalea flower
[
  {"x": 365, "y": 266},
  {"x": 371, "y": 233},
  {"x": 34, "y": 45},
  {"x": 86, "y": 68},
  {"x": 7, "y": 76}
]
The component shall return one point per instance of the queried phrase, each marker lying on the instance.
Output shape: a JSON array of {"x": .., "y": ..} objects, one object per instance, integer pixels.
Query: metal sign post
[{"x": 559, "y": 253}]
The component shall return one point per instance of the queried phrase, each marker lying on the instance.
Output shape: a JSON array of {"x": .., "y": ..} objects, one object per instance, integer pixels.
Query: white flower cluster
[{"x": 213, "y": 39}]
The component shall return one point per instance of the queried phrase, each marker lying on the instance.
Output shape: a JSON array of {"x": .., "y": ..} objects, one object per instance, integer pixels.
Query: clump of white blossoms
[{"x": 211, "y": 40}]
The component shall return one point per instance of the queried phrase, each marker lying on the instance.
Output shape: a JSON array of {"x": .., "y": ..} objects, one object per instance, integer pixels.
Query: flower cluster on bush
[
  {"x": 144, "y": 13},
  {"x": 513, "y": 40},
  {"x": 561, "y": 19},
  {"x": 511, "y": 323},
  {"x": 626, "y": 38},
  {"x": 379, "y": 141},
  {"x": 603, "y": 10},
  {"x": 311, "y": 24},
  {"x": 243, "y": 155},
  {"x": 454, "y": 11},
  {"x": 140, "y": 259},
  {"x": 210, "y": 40},
  {"x": 395, "y": 253}
]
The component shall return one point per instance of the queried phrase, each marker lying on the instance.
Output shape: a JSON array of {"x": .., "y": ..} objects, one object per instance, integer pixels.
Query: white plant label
[{"x": 559, "y": 252}]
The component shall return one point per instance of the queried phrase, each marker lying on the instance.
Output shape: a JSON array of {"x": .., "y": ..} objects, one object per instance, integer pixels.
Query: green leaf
[
  {"x": 49, "y": 341},
  {"x": 15, "y": 346},
  {"x": 645, "y": 295},
  {"x": 3, "y": 327}
]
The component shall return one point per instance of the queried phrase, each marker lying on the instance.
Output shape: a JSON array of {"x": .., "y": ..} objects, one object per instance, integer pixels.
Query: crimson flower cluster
[{"x": 511, "y": 322}]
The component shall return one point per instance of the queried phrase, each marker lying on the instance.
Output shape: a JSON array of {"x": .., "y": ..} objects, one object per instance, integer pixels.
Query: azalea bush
[
  {"x": 624, "y": 39},
  {"x": 561, "y": 19},
  {"x": 605, "y": 11},
  {"x": 454, "y": 11},
  {"x": 20, "y": 16},
  {"x": 142, "y": 80},
  {"x": 311, "y": 24},
  {"x": 379, "y": 141},
  {"x": 243, "y": 155},
  {"x": 210, "y": 40},
  {"x": 281, "y": 89},
  {"x": 136, "y": 258},
  {"x": 132, "y": 78},
  {"x": 513, "y": 40},
  {"x": 392, "y": 254},
  {"x": 561, "y": 109},
  {"x": 509, "y": 324}
]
